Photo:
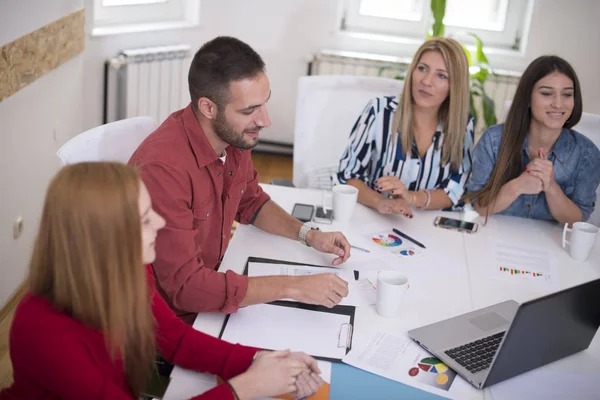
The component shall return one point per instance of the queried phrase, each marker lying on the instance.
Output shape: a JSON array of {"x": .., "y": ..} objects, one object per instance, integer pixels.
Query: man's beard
[{"x": 227, "y": 134}]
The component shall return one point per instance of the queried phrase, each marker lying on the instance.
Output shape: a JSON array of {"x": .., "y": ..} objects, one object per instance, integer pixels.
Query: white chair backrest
[
  {"x": 507, "y": 104},
  {"x": 588, "y": 125},
  {"x": 115, "y": 141},
  {"x": 327, "y": 108}
]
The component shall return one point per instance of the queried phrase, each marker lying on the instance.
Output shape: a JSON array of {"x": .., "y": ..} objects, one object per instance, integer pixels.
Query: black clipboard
[{"x": 343, "y": 340}]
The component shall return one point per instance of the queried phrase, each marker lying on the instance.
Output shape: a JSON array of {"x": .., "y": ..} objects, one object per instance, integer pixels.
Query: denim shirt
[{"x": 576, "y": 162}]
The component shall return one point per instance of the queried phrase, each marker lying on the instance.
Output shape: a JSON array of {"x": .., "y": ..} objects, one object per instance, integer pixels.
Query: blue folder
[{"x": 349, "y": 383}]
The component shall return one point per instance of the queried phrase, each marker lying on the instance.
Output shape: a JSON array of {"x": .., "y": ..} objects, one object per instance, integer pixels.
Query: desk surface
[{"x": 458, "y": 267}]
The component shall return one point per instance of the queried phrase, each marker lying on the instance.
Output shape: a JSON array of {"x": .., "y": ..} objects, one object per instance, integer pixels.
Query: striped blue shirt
[{"x": 373, "y": 152}]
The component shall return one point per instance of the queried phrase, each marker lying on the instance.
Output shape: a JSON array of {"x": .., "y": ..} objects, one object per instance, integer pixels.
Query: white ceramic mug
[
  {"x": 583, "y": 238},
  {"x": 344, "y": 200},
  {"x": 391, "y": 291}
]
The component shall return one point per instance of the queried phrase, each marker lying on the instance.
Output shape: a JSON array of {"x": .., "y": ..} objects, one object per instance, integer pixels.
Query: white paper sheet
[
  {"x": 549, "y": 385},
  {"x": 269, "y": 269},
  {"x": 397, "y": 357},
  {"x": 275, "y": 327},
  {"x": 367, "y": 291},
  {"x": 390, "y": 241},
  {"x": 525, "y": 264},
  {"x": 358, "y": 293}
]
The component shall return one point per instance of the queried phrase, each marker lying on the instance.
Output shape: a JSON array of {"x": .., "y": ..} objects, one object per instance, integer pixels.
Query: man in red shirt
[{"x": 199, "y": 172}]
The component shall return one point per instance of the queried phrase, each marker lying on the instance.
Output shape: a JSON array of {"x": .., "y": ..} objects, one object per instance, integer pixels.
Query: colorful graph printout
[
  {"x": 433, "y": 372},
  {"x": 387, "y": 240}
]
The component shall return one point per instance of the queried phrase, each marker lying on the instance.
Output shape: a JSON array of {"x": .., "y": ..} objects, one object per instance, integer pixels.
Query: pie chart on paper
[
  {"x": 432, "y": 371},
  {"x": 387, "y": 240}
]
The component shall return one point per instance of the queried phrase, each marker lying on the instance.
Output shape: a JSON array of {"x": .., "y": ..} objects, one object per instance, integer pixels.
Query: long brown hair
[
  {"x": 87, "y": 260},
  {"x": 509, "y": 162},
  {"x": 454, "y": 111}
]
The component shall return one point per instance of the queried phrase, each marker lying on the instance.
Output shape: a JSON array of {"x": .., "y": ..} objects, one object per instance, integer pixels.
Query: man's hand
[
  {"x": 320, "y": 289},
  {"x": 329, "y": 242}
]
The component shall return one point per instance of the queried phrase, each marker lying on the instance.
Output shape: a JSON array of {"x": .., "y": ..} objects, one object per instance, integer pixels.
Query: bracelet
[
  {"x": 428, "y": 193},
  {"x": 235, "y": 395}
]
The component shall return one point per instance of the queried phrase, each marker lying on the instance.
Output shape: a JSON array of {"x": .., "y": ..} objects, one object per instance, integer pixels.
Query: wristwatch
[{"x": 303, "y": 231}]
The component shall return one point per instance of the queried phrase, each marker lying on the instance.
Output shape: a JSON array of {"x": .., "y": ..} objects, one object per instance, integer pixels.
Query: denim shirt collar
[{"x": 561, "y": 149}]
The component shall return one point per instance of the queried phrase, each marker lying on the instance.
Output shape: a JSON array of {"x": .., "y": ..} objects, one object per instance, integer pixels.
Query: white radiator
[
  {"x": 500, "y": 86},
  {"x": 150, "y": 81}
]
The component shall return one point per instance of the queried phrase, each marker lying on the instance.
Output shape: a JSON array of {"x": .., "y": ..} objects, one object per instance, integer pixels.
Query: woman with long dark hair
[{"x": 535, "y": 165}]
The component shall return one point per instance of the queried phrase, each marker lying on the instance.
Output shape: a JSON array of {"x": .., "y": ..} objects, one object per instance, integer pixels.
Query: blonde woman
[
  {"x": 92, "y": 320},
  {"x": 415, "y": 151}
]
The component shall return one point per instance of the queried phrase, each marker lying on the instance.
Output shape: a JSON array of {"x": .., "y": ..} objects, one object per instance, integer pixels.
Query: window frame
[
  {"x": 116, "y": 19},
  {"x": 518, "y": 18}
]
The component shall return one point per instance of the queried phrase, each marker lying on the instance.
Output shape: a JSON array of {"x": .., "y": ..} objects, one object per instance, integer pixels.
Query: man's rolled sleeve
[{"x": 182, "y": 277}]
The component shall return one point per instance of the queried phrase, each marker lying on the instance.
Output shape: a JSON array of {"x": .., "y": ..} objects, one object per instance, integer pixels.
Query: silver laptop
[{"x": 499, "y": 342}]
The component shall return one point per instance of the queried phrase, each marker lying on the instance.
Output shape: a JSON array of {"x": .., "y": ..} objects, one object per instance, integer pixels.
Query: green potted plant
[{"x": 478, "y": 66}]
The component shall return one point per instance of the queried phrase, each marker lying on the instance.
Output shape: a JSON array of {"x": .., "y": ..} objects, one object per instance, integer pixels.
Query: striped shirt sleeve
[{"x": 356, "y": 159}]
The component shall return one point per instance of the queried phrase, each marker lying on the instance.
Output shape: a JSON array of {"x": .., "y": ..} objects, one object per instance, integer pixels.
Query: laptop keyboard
[{"x": 478, "y": 355}]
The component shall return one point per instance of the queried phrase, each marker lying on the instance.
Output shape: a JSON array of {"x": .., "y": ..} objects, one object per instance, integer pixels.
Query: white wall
[
  {"x": 39, "y": 118},
  {"x": 287, "y": 32},
  {"x": 34, "y": 123}
]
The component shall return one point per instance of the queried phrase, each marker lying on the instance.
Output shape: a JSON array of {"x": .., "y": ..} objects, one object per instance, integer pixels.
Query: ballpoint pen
[
  {"x": 405, "y": 236},
  {"x": 360, "y": 249}
]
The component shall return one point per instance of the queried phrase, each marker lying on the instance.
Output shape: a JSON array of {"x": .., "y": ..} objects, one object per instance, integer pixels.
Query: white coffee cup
[
  {"x": 391, "y": 291},
  {"x": 344, "y": 200},
  {"x": 583, "y": 238}
]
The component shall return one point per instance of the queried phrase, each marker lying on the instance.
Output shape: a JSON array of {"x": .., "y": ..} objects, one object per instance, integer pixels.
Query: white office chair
[
  {"x": 326, "y": 109},
  {"x": 115, "y": 141},
  {"x": 589, "y": 125}
]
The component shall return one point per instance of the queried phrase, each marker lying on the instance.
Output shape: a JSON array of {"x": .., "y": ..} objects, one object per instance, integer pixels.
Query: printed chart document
[
  {"x": 322, "y": 334},
  {"x": 397, "y": 357},
  {"x": 525, "y": 264}
]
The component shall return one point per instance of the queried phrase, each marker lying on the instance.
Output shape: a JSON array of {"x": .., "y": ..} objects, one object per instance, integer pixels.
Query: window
[
  {"x": 121, "y": 16},
  {"x": 499, "y": 23}
]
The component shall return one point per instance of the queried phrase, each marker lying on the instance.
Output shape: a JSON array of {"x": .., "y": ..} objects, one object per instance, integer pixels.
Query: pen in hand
[{"x": 360, "y": 249}]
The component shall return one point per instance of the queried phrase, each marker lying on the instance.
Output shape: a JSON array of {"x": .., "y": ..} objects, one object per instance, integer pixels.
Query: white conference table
[{"x": 453, "y": 276}]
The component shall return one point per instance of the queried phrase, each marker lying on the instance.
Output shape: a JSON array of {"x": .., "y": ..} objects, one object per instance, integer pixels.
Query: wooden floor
[{"x": 269, "y": 167}]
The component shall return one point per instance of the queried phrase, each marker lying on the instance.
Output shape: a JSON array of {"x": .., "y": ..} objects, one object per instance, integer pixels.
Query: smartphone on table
[
  {"x": 323, "y": 216},
  {"x": 303, "y": 212},
  {"x": 456, "y": 224}
]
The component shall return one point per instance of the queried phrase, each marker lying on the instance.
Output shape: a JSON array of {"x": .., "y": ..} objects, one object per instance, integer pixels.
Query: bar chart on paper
[{"x": 516, "y": 263}]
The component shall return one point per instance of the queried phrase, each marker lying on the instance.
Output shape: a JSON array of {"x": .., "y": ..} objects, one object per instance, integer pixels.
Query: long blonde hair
[
  {"x": 87, "y": 260},
  {"x": 454, "y": 111}
]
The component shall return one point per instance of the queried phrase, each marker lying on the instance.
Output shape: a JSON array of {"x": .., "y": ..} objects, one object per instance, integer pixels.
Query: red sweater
[{"x": 54, "y": 356}]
